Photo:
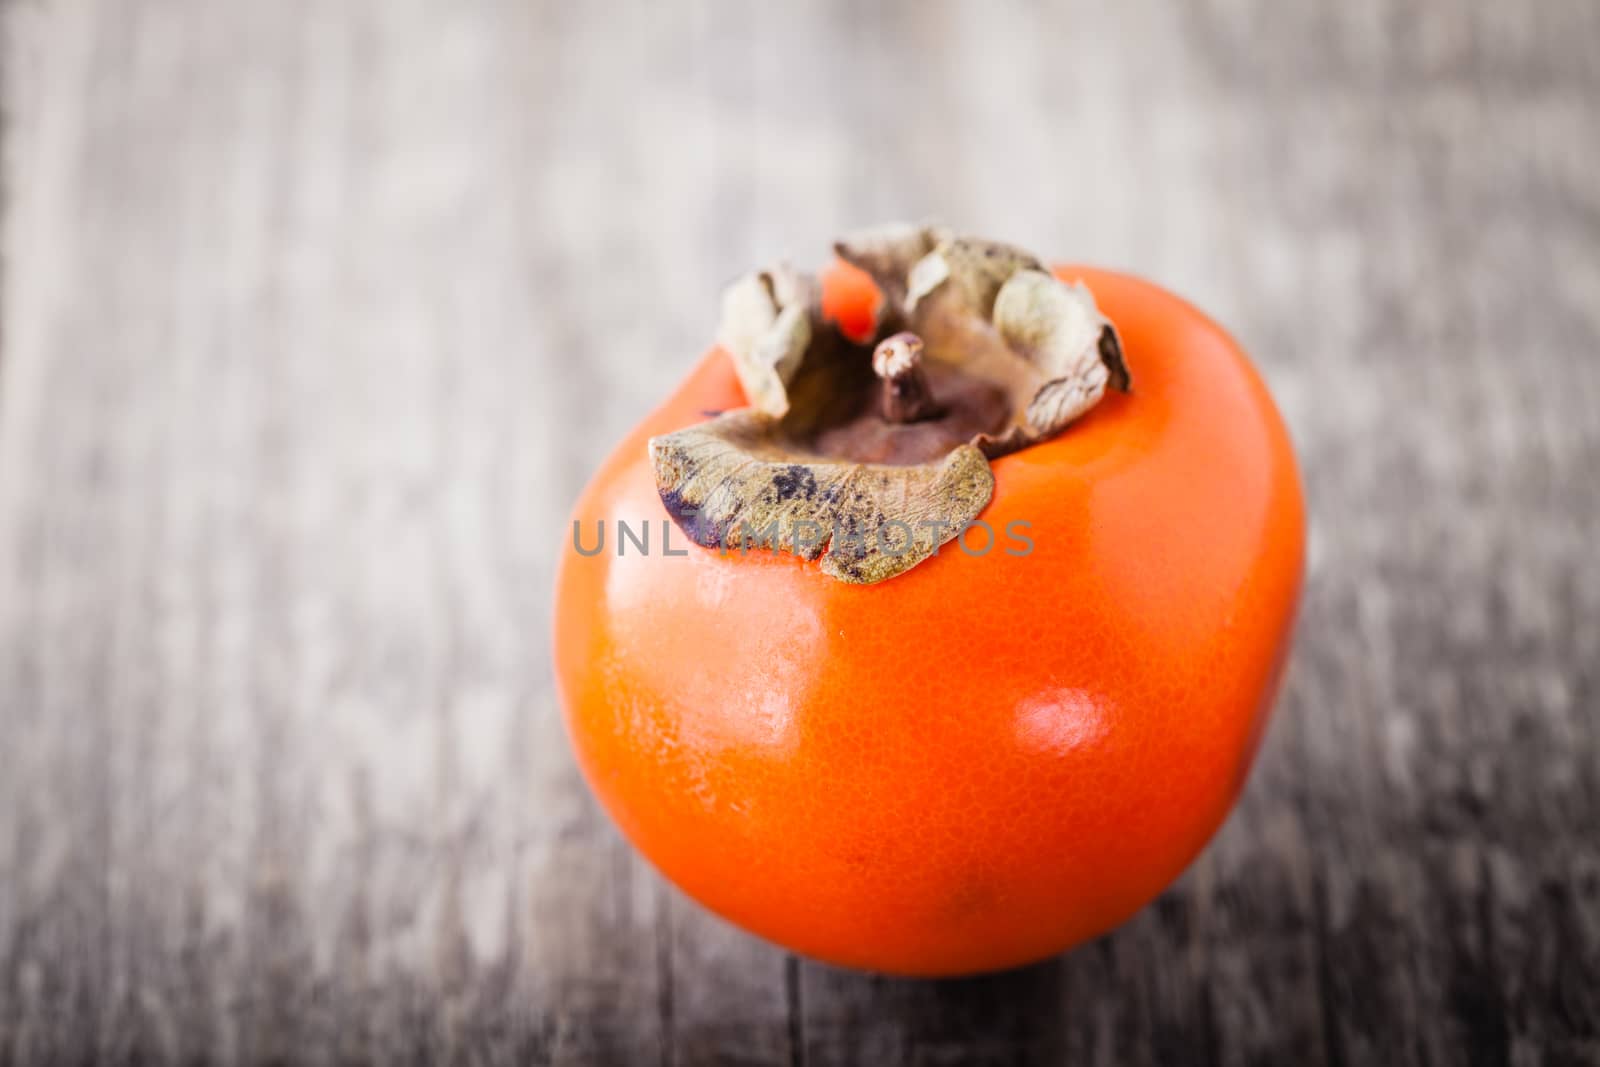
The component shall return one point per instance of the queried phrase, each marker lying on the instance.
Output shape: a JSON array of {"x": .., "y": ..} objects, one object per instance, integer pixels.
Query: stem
[{"x": 904, "y": 395}]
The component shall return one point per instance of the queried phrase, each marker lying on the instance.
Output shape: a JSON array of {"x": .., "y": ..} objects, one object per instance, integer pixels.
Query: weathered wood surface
[{"x": 315, "y": 317}]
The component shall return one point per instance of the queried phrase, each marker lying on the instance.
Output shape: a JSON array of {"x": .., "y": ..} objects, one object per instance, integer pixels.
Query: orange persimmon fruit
[{"x": 989, "y": 756}]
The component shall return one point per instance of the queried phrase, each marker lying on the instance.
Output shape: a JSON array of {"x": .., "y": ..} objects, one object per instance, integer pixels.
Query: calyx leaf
[{"x": 872, "y": 473}]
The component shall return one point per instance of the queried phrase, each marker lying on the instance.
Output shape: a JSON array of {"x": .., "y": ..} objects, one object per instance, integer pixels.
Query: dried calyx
[{"x": 871, "y": 455}]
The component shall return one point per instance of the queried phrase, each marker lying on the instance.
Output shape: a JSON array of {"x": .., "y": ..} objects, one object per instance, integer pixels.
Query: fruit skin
[{"x": 988, "y": 759}]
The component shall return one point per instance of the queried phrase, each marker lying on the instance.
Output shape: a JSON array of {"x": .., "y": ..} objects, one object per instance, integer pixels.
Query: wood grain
[{"x": 316, "y": 316}]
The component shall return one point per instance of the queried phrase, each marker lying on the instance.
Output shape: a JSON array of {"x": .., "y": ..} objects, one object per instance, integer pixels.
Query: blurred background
[{"x": 315, "y": 317}]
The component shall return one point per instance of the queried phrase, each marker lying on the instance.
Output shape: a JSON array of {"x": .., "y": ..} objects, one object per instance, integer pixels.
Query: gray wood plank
[{"x": 314, "y": 318}]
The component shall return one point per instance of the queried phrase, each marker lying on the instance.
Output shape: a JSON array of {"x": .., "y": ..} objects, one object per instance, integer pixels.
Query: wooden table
[{"x": 315, "y": 317}]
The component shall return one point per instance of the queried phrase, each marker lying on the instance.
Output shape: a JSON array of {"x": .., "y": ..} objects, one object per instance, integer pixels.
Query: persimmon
[{"x": 949, "y": 758}]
